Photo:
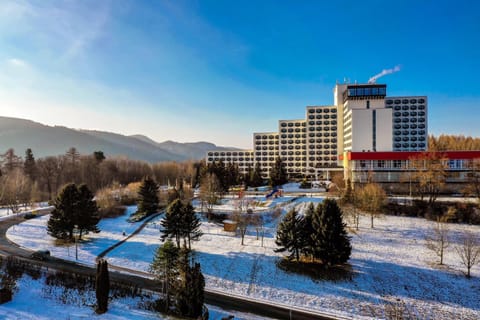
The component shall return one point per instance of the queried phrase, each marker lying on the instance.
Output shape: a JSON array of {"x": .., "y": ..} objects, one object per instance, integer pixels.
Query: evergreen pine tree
[
  {"x": 87, "y": 218},
  {"x": 191, "y": 224},
  {"x": 247, "y": 177},
  {"x": 62, "y": 219},
  {"x": 165, "y": 268},
  {"x": 198, "y": 291},
  {"x": 99, "y": 156},
  {"x": 330, "y": 242},
  {"x": 307, "y": 231},
  {"x": 73, "y": 207},
  {"x": 29, "y": 165},
  {"x": 148, "y": 196},
  {"x": 256, "y": 179},
  {"x": 190, "y": 288},
  {"x": 172, "y": 223},
  {"x": 289, "y": 235},
  {"x": 102, "y": 286},
  {"x": 278, "y": 173}
]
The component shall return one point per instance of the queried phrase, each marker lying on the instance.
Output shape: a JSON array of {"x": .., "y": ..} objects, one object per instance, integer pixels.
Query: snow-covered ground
[
  {"x": 33, "y": 300},
  {"x": 389, "y": 262}
]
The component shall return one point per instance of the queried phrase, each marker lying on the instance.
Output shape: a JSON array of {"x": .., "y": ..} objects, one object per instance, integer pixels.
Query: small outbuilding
[{"x": 229, "y": 225}]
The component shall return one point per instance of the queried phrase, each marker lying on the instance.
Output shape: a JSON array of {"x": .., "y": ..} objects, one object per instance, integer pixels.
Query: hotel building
[{"x": 363, "y": 119}]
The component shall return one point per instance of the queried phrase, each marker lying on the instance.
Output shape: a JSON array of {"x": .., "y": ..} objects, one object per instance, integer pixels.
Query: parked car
[
  {"x": 29, "y": 215},
  {"x": 41, "y": 255}
]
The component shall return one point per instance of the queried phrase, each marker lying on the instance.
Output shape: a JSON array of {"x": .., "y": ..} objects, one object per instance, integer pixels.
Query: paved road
[{"x": 140, "y": 279}]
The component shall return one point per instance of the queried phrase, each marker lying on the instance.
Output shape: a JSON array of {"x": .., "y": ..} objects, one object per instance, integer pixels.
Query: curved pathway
[
  {"x": 144, "y": 280},
  {"x": 134, "y": 233}
]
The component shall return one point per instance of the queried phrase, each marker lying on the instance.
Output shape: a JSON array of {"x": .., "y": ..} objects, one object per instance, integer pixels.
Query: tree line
[
  {"x": 453, "y": 143},
  {"x": 25, "y": 180}
]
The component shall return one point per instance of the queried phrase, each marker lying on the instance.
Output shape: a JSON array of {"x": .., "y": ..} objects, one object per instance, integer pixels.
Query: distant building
[
  {"x": 390, "y": 168},
  {"x": 362, "y": 119}
]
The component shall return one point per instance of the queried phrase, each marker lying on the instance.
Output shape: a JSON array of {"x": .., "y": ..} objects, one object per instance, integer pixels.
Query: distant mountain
[
  {"x": 44, "y": 140},
  {"x": 191, "y": 149}
]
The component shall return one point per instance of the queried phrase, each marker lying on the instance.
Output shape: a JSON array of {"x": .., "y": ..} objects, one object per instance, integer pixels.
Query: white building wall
[
  {"x": 383, "y": 130},
  {"x": 362, "y": 130}
]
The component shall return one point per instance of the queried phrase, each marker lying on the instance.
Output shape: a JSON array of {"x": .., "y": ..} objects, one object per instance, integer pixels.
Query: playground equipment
[{"x": 275, "y": 193}]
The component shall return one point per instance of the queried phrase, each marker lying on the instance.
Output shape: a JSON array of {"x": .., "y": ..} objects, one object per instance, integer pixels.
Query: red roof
[{"x": 405, "y": 155}]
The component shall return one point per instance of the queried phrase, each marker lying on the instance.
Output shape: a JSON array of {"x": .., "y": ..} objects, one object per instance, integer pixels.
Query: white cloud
[
  {"x": 16, "y": 62},
  {"x": 68, "y": 28}
]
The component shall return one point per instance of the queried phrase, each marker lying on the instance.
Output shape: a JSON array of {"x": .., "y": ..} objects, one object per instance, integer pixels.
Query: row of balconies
[
  {"x": 290, "y": 136},
  {"x": 284, "y": 142},
  {"x": 411, "y": 113},
  {"x": 292, "y": 124},
  {"x": 413, "y": 120},
  {"x": 404, "y": 101},
  {"x": 398, "y": 139},
  {"x": 323, "y": 110},
  {"x": 228, "y": 154},
  {"x": 411, "y": 145},
  {"x": 327, "y": 140},
  {"x": 411, "y": 126},
  {"x": 324, "y": 134},
  {"x": 290, "y": 130},
  {"x": 258, "y": 143},
  {"x": 324, "y": 116},
  {"x": 332, "y": 128},
  {"x": 236, "y": 160},
  {"x": 319, "y": 122},
  {"x": 291, "y": 147},
  {"x": 406, "y": 132},
  {"x": 271, "y": 137}
]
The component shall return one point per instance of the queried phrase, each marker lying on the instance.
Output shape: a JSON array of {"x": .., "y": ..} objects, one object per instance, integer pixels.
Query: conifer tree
[
  {"x": 247, "y": 176},
  {"x": 102, "y": 286},
  {"x": 87, "y": 218},
  {"x": 307, "y": 231},
  {"x": 278, "y": 173},
  {"x": 165, "y": 268},
  {"x": 330, "y": 242},
  {"x": 148, "y": 196},
  {"x": 289, "y": 235},
  {"x": 190, "y": 288},
  {"x": 172, "y": 223},
  {"x": 74, "y": 207},
  {"x": 62, "y": 219},
  {"x": 191, "y": 224},
  {"x": 256, "y": 179},
  {"x": 29, "y": 165}
]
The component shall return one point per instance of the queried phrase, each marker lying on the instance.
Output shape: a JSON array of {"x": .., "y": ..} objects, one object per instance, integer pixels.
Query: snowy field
[
  {"x": 33, "y": 300},
  {"x": 389, "y": 262}
]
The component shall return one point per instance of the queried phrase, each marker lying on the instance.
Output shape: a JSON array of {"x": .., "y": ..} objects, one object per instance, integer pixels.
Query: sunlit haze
[{"x": 218, "y": 71}]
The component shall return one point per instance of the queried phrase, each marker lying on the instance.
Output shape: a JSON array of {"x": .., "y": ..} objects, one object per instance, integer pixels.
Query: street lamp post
[{"x": 75, "y": 231}]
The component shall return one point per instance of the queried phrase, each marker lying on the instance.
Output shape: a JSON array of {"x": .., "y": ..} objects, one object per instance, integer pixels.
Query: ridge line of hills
[{"x": 44, "y": 140}]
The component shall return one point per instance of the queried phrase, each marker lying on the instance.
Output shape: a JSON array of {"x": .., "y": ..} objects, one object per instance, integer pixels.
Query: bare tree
[
  {"x": 372, "y": 198},
  {"x": 469, "y": 251},
  {"x": 15, "y": 190},
  {"x": 438, "y": 240},
  {"x": 49, "y": 171},
  {"x": 210, "y": 191},
  {"x": 429, "y": 174},
  {"x": 351, "y": 206},
  {"x": 473, "y": 179},
  {"x": 242, "y": 220}
]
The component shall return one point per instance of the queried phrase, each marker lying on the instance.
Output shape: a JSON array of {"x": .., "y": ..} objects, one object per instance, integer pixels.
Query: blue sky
[{"x": 220, "y": 70}]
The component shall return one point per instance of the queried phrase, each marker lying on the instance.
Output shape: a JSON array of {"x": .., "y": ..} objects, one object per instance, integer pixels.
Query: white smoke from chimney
[{"x": 384, "y": 72}]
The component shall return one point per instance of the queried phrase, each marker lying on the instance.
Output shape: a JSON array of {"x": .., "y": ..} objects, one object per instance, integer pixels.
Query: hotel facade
[{"x": 364, "y": 130}]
